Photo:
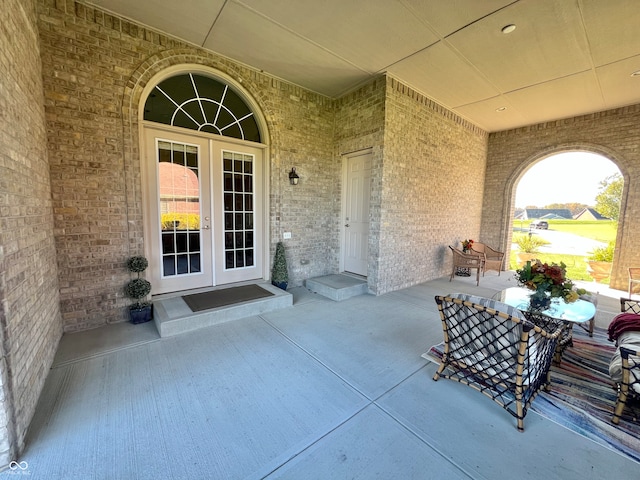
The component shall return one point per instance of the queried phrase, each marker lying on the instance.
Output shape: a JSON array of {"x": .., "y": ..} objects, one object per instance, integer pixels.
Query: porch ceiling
[{"x": 565, "y": 57}]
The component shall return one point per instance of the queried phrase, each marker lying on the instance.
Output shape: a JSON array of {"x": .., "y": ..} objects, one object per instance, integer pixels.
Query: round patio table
[{"x": 579, "y": 311}]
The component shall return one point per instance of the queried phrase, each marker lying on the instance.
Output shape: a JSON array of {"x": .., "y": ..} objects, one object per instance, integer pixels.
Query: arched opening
[
  {"x": 204, "y": 181},
  {"x": 561, "y": 211}
]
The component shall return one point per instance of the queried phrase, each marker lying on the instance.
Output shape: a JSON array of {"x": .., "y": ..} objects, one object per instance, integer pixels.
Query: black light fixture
[{"x": 293, "y": 177}]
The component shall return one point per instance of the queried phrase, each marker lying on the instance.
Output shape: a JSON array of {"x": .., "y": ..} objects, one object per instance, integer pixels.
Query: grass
[{"x": 600, "y": 230}]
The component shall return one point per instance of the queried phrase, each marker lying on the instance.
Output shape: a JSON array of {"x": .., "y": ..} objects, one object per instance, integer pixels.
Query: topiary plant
[
  {"x": 279, "y": 274},
  {"x": 138, "y": 288}
]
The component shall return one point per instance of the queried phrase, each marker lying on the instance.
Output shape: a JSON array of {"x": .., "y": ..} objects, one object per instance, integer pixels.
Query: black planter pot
[
  {"x": 281, "y": 285},
  {"x": 140, "y": 315}
]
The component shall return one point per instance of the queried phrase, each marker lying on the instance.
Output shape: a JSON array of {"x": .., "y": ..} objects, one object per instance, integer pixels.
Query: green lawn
[{"x": 601, "y": 230}]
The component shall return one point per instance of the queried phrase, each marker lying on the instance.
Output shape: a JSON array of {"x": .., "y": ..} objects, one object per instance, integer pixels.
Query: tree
[{"x": 610, "y": 196}]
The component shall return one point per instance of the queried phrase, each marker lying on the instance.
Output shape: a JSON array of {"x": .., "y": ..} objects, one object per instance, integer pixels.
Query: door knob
[
  {"x": 206, "y": 227},
  {"x": 346, "y": 224}
]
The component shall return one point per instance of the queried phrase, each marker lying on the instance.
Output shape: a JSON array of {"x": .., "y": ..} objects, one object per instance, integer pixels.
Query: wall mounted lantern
[{"x": 293, "y": 177}]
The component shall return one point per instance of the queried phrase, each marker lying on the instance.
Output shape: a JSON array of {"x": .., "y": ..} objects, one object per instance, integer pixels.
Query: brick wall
[
  {"x": 359, "y": 126},
  {"x": 427, "y": 180},
  {"x": 95, "y": 67},
  {"x": 614, "y": 134},
  {"x": 432, "y": 187},
  {"x": 30, "y": 323}
]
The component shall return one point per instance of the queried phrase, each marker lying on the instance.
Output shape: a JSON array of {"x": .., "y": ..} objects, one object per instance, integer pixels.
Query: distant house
[
  {"x": 590, "y": 214},
  {"x": 546, "y": 213}
]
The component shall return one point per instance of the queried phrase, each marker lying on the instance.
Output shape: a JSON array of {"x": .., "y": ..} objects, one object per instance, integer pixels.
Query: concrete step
[
  {"x": 173, "y": 316},
  {"x": 338, "y": 287}
]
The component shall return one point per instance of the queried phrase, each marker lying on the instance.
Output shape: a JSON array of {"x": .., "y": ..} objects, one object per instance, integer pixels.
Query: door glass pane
[
  {"x": 238, "y": 202},
  {"x": 201, "y": 103},
  {"x": 179, "y": 186}
]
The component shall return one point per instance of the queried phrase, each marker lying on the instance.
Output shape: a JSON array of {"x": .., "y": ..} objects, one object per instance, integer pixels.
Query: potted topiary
[
  {"x": 599, "y": 262},
  {"x": 137, "y": 289},
  {"x": 279, "y": 274}
]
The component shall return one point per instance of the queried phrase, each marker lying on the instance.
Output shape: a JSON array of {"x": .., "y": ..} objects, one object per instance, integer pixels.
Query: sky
[{"x": 564, "y": 178}]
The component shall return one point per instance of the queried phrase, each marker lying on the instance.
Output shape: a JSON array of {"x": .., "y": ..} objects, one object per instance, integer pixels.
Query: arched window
[{"x": 201, "y": 103}]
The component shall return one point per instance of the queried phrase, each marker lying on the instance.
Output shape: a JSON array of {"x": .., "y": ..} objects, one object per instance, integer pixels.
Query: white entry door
[
  {"x": 204, "y": 213},
  {"x": 357, "y": 195}
]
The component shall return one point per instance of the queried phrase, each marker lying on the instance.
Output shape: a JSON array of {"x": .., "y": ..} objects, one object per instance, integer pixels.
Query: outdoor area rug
[
  {"x": 228, "y": 296},
  {"x": 582, "y": 395}
]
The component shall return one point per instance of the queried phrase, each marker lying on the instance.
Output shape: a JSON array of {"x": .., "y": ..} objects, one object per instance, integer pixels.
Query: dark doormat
[{"x": 228, "y": 296}]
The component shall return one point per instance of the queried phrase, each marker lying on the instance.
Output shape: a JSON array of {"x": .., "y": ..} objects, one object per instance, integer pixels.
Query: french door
[{"x": 204, "y": 217}]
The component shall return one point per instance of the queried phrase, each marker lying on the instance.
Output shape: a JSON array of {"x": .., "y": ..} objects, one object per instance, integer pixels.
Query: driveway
[{"x": 564, "y": 243}]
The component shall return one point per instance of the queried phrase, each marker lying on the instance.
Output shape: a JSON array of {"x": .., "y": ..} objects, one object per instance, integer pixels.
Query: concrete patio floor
[{"x": 320, "y": 390}]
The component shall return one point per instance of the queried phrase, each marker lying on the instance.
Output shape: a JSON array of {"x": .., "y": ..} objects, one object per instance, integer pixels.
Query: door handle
[
  {"x": 206, "y": 227},
  {"x": 346, "y": 224}
]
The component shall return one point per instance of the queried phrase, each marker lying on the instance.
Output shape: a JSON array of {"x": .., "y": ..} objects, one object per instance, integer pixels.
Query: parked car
[{"x": 539, "y": 224}]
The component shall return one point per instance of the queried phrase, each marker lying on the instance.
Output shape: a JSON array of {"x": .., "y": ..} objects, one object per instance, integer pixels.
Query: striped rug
[{"x": 582, "y": 395}]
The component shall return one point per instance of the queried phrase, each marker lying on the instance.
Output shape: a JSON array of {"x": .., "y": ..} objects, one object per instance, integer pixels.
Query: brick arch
[
  {"x": 142, "y": 80},
  {"x": 245, "y": 79},
  {"x": 603, "y": 151},
  {"x": 523, "y": 167}
]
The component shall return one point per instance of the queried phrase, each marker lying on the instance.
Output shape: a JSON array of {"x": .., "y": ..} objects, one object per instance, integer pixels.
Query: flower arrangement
[
  {"x": 548, "y": 280},
  {"x": 466, "y": 245}
]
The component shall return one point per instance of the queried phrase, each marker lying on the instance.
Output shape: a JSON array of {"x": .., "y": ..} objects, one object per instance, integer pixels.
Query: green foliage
[
  {"x": 279, "y": 274},
  {"x": 137, "y": 264},
  {"x": 181, "y": 221},
  {"x": 603, "y": 254},
  {"x": 610, "y": 196},
  {"x": 550, "y": 278},
  {"x": 529, "y": 243},
  {"x": 137, "y": 289}
]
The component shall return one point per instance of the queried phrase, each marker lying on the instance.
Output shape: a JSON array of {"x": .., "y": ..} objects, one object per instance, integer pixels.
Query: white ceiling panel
[
  {"x": 565, "y": 57},
  {"x": 548, "y": 42},
  {"x": 618, "y": 86},
  {"x": 190, "y": 20},
  {"x": 372, "y": 38},
  {"x": 609, "y": 29},
  {"x": 243, "y": 34},
  {"x": 578, "y": 93},
  {"x": 492, "y": 114},
  {"x": 448, "y": 16},
  {"x": 447, "y": 77}
]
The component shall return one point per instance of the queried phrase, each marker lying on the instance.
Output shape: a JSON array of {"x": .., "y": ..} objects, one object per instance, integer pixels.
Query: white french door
[
  {"x": 357, "y": 193},
  {"x": 203, "y": 219},
  {"x": 238, "y": 229}
]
